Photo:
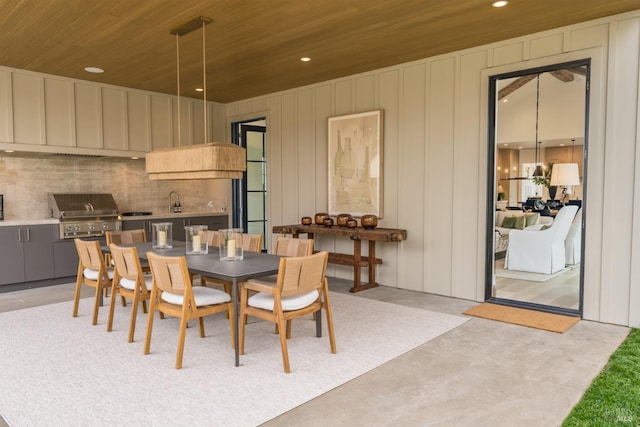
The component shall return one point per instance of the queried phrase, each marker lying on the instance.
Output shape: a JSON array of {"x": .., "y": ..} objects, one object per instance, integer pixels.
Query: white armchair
[
  {"x": 540, "y": 251},
  {"x": 573, "y": 243}
]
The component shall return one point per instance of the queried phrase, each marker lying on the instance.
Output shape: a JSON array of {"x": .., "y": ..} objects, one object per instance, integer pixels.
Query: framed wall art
[{"x": 355, "y": 164}]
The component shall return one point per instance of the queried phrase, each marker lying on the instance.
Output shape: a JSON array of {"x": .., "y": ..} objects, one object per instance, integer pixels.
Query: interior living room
[{"x": 89, "y": 91}]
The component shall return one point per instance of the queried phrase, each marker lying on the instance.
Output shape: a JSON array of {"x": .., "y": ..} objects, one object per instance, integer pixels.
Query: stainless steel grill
[{"x": 85, "y": 214}]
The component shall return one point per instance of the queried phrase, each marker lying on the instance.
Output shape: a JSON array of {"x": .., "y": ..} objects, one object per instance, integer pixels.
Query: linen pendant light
[{"x": 210, "y": 160}]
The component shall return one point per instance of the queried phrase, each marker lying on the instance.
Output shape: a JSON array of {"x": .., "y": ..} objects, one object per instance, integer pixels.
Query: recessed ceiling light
[
  {"x": 505, "y": 100},
  {"x": 305, "y": 59},
  {"x": 500, "y": 3},
  {"x": 199, "y": 89},
  {"x": 94, "y": 70},
  {"x": 8, "y": 151},
  {"x": 135, "y": 158}
]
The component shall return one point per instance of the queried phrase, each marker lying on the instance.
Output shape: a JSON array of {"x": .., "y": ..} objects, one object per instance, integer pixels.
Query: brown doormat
[{"x": 520, "y": 316}]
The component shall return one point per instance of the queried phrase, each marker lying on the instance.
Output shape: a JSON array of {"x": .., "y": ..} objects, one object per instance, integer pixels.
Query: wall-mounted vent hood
[{"x": 204, "y": 161}]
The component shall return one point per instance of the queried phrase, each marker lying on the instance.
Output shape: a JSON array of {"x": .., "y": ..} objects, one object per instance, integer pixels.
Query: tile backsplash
[{"x": 26, "y": 181}]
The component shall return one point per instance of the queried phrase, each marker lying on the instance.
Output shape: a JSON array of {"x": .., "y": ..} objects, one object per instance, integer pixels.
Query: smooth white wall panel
[
  {"x": 412, "y": 173},
  {"x": 88, "y": 116},
  {"x": 289, "y": 157},
  {"x": 6, "y": 111},
  {"x": 306, "y": 146},
  {"x": 59, "y": 118},
  {"x": 28, "y": 106},
  {"x": 620, "y": 167},
  {"x": 161, "y": 121},
  {"x": 114, "y": 118},
  {"x": 139, "y": 121},
  {"x": 547, "y": 45},
  {"x": 439, "y": 174},
  {"x": 470, "y": 155}
]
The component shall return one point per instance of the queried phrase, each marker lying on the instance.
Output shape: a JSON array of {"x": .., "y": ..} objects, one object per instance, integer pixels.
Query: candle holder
[
  {"x": 231, "y": 244},
  {"x": 162, "y": 235},
  {"x": 196, "y": 239}
]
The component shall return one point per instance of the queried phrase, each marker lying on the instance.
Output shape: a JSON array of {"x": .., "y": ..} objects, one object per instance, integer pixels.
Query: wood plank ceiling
[{"x": 253, "y": 47}]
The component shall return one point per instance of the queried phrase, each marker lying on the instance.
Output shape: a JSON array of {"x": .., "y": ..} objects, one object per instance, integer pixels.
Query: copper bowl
[
  {"x": 341, "y": 220},
  {"x": 352, "y": 223},
  {"x": 320, "y": 218},
  {"x": 306, "y": 220},
  {"x": 328, "y": 221},
  {"x": 369, "y": 222}
]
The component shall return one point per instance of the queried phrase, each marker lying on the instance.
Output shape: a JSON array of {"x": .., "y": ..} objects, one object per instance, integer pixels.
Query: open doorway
[
  {"x": 535, "y": 230},
  {"x": 250, "y": 193}
]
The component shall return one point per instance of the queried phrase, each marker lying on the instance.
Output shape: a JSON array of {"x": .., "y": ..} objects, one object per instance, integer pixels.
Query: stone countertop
[
  {"x": 20, "y": 222},
  {"x": 44, "y": 221},
  {"x": 172, "y": 215}
]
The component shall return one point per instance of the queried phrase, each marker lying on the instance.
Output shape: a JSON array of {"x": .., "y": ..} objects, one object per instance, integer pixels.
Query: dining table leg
[{"x": 236, "y": 315}]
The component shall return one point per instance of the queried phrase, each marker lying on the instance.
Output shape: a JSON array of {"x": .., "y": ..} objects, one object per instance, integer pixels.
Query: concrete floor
[{"x": 483, "y": 373}]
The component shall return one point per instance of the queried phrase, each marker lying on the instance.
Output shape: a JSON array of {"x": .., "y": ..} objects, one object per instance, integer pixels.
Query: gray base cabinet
[
  {"x": 212, "y": 222},
  {"x": 26, "y": 253}
]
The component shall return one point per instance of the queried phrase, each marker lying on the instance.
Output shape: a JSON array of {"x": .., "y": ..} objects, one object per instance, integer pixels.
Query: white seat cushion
[
  {"x": 93, "y": 274},
  {"x": 265, "y": 301},
  {"x": 130, "y": 284},
  {"x": 202, "y": 295}
]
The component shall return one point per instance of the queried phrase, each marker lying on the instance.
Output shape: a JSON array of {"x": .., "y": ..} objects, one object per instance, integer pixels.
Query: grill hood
[{"x": 67, "y": 206}]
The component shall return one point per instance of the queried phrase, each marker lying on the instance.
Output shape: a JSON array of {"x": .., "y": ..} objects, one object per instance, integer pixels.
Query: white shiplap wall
[{"x": 435, "y": 160}]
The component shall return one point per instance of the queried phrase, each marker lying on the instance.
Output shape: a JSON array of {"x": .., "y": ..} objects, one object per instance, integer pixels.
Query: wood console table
[{"x": 357, "y": 235}]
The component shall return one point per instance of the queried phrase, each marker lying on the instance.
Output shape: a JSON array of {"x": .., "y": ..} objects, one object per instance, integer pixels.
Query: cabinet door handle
[
  {"x": 28, "y": 234},
  {"x": 19, "y": 234}
]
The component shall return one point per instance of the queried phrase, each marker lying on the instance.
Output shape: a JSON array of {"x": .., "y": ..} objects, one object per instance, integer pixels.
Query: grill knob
[
  {"x": 68, "y": 228},
  {"x": 92, "y": 227},
  {"x": 105, "y": 226},
  {"x": 76, "y": 228}
]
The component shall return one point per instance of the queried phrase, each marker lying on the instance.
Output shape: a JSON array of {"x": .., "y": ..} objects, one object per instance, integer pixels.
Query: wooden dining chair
[
  {"x": 214, "y": 237},
  {"x": 301, "y": 289},
  {"x": 291, "y": 246},
  {"x": 125, "y": 237},
  {"x": 173, "y": 294},
  {"x": 92, "y": 271},
  {"x": 128, "y": 281},
  {"x": 250, "y": 243}
]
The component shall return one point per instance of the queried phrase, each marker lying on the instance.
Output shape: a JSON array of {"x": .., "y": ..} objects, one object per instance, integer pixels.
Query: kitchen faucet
[{"x": 176, "y": 208}]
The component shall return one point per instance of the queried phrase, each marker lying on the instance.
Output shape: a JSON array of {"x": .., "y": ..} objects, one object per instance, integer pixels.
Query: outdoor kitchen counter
[
  {"x": 171, "y": 215},
  {"x": 21, "y": 222}
]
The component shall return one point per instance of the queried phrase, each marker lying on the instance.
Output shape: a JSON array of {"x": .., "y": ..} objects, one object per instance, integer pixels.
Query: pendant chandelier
[
  {"x": 538, "y": 171},
  {"x": 203, "y": 161}
]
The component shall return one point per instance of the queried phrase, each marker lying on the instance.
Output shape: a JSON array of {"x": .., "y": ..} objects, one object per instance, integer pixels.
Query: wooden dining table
[{"x": 253, "y": 265}]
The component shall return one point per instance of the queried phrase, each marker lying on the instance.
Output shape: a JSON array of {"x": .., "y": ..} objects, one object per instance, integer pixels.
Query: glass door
[
  {"x": 250, "y": 193},
  {"x": 535, "y": 226}
]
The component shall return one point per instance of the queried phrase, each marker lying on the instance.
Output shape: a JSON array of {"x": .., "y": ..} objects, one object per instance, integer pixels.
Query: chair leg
[
  {"x": 112, "y": 306},
  {"x": 134, "y": 315},
  {"x": 96, "y": 304},
  {"x": 124, "y": 300},
  {"x": 147, "y": 338},
  {"x": 283, "y": 341},
  {"x": 181, "y": 337},
  {"x": 230, "y": 313},
  {"x": 242, "y": 318},
  {"x": 327, "y": 308},
  {"x": 201, "y": 324},
  {"x": 76, "y": 296}
]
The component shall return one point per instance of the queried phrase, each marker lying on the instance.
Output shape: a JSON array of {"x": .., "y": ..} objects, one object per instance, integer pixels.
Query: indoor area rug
[
  {"x": 60, "y": 370},
  {"x": 523, "y": 317},
  {"x": 523, "y": 275}
]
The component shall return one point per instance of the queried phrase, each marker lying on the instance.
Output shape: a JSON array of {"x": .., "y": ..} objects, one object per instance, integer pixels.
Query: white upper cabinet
[{"x": 44, "y": 113}]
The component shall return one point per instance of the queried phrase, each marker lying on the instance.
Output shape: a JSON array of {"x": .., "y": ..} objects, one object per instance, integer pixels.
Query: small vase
[
  {"x": 369, "y": 222},
  {"x": 552, "y": 192},
  {"x": 320, "y": 218}
]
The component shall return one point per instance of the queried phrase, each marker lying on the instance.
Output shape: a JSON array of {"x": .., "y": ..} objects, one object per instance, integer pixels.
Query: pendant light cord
[
  {"x": 535, "y": 167},
  {"x": 204, "y": 79},
  {"x": 178, "y": 84}
]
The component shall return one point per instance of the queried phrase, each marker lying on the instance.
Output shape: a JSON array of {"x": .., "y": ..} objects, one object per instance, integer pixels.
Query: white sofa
[
  {"x": 573, "y": 242},
  {"x": 540, "y": 251},
  {"x": 540, "y": 221}
]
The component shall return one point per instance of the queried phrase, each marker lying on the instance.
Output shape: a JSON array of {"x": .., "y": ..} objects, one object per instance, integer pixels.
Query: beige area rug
[
  {"x": 523, "y": 317},
  {"x": 523, "y": 275},
  {"x": 58, "y": 370}
]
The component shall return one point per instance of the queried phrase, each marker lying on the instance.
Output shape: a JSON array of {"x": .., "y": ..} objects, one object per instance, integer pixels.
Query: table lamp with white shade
[{"x": 565, "y": 175}]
